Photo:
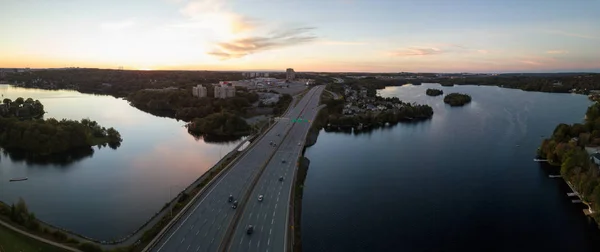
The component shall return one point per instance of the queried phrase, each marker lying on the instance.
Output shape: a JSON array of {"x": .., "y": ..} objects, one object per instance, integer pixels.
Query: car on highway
[
  {"x": 283, "y": 161},
  {"x": 234, "y": 206},
  {"x": 260, "y": 198},
  {"x": 250, "y": 229},
  {"x": 278, "y": 134},
  {"x": 230, "y": 198},
  {"x": 299, "y": 144},
  {"x": 281, "y": 178}
]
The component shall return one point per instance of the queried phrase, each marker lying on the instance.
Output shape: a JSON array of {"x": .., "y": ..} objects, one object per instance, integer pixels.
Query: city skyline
[{"x": 309, "y": 36}]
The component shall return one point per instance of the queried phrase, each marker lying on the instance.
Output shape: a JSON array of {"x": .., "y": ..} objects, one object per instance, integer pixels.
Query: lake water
[
  {"x": 463, "y": 181},
  {"x": 113, "y": 192}
]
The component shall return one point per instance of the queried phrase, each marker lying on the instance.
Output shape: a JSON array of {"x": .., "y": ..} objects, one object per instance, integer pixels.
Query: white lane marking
[
  {"x": 277, "y": 200},
  {"x": 270, "y": 231},
  {"x": 258, "y": 245},
  {"x": 269, "y": 242},
  {"x": 272, "y": 221},
  {"x": 192, "y": 227},
  {"x": 197, "y": 231},
  {"x": 205, "y": 233},
  {"x": 249, "y": 243},
  {"x": 241, "y": 240},
  {"x": 219, "y": 211},
  {"x": 219, "y": 227},
  {"x": 250, "y": 216},
  {"x": 211, "y": 241},
  {"x": 198, "y": 248},
  {"x": 213, "y": 222},
  {"x": 265, "y": 216},
  {"x": 275, "y": 206},
  {"x": 188, "y": 248},
  {"x": 182, "y": 239},
  {"x": 279, "y": 193}
]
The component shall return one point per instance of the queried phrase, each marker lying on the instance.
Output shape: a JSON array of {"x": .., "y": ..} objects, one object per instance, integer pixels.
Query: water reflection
[
  {"x": 60, "y": 159},
  {"x": 109, "y": 184}
]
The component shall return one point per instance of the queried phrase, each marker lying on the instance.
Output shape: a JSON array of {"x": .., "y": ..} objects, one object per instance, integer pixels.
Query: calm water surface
[
  {"x": 463, "y": 181},
  {"x": 110, "y": 194}
]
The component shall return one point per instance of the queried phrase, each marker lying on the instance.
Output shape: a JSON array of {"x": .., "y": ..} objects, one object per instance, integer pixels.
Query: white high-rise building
[
  {"x": 290, "y": 74},
  {"x": 223, "y": 91},
  {"x": 199, "y": 91}
]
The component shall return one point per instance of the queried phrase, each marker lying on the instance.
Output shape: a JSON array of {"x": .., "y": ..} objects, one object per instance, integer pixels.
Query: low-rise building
[{"x": 595, "y": 158}]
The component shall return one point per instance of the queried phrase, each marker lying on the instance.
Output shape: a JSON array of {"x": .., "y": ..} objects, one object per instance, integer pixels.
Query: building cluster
[
  {"x": 357, "y": 102},
  {"x": 290, "y": 75},
  {"x": 255, "y": 74},
  {"x": 199, "y": 91},
  {"x": 224, "y": 90}
]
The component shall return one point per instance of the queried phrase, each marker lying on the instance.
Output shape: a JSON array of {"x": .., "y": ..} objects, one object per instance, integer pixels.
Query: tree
[{"x": 6, "y": 101}]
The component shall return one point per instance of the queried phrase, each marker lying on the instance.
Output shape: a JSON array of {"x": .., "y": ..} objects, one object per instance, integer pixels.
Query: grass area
[{"x": 11, "y": 241}]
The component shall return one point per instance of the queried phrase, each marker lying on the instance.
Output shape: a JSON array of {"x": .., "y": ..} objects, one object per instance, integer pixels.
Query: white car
[
  {"x": 299, "y": 144},
  {"x": 260, "y": 197}
]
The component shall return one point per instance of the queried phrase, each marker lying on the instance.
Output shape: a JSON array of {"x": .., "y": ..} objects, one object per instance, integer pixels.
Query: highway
[
  {"x": 270, "y": 217},
  {"x": 203, "y": 227}
]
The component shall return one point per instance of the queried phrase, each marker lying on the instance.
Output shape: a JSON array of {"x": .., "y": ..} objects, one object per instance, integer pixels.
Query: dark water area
[
  {"x": 463, "y": 181},
  {"x": 107, "y": 193}
]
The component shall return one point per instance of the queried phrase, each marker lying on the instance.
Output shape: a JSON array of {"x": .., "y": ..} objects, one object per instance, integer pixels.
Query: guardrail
[
  {"x": 292, "y": 192},
  {"x": 224, "y": 247}
]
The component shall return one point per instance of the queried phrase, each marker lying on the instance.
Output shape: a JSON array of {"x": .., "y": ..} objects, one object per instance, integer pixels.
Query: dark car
[
  {"x": 281, "y": 178},
  {"x": 230, "y": 198},
  {"x": 283, "y": 161},
  {"x": 234, "y": 206},
  {"x": 250, "y": 229}
]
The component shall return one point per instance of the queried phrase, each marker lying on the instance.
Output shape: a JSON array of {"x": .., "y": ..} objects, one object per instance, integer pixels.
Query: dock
[
  {"x": 553, "y": 176},
  {"x": 540, "y": 160},
  {"x": 571, "y": 194}
]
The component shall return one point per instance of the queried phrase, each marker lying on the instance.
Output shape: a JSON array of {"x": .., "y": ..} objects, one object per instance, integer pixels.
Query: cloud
[
  {"x": 415, "y": 51},
  {"x": 238, "y": 48},
  {"x": 351, "y": 43},
  {"x": 119, "y": 25},
  {"x": 436, "y": 49},
  {"x": 217, "y": 15},
  {"x": 530, "y": 62},
  {"x": 557, "y": 52},
  {"x": 569, "y": 34}
]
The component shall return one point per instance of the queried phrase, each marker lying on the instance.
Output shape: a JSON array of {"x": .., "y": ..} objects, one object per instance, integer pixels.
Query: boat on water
[{"x": 18, "y": 179}]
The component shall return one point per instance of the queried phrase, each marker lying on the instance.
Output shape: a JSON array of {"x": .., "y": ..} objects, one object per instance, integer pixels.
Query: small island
[
  {"x": 21, "y": 128},
  {"x": 434, "y": 92},
  {"x": 457, "y": 99}
]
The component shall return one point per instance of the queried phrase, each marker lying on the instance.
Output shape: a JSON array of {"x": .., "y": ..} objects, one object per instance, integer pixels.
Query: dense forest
[
  {"x": 22, "y": 108},
  {"x": 434, "y": 92},
  {"x": 554, "y": 84},
  {"x": 119, "y": 83},
  {"x": 21, "y": 128},
  {"x": 566, "y": 148},
  {"x": 181, "y": 104},
  {"x": 457, "y": 99},
  {"x": 44, "y": 137},
  {"x": 219, "y": 124}
]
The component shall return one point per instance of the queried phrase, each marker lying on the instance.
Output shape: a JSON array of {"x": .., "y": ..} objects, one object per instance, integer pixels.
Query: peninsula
[{"x": 23, "y": 129}]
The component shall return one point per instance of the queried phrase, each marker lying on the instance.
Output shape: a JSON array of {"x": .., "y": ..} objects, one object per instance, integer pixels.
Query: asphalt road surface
[
  {"x": 203, "y": 227},
  {"x": 269, "y": 217}
]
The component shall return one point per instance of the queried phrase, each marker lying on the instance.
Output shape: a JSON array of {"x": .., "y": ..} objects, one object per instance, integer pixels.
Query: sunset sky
[{"x": 307, "y": 35}]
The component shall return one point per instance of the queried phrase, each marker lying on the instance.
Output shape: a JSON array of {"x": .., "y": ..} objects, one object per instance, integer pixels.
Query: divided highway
[
  {"x": 203, "y": 226},
  {"x": 269, "y": 217}
]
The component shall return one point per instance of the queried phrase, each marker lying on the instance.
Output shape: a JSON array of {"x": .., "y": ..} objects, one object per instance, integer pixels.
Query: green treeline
[
  {"x": 554, "y": 83},
  {"x": 181, "y": 104},
  {"x": 220, "y": 124},
  {"x": 434, "y": 92},
  {"x": 457, "y": 99},
  {"x": 22, "y": 108},
  {"x": 44, "y": 137},
  {"x": 566, "y": 148}
]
